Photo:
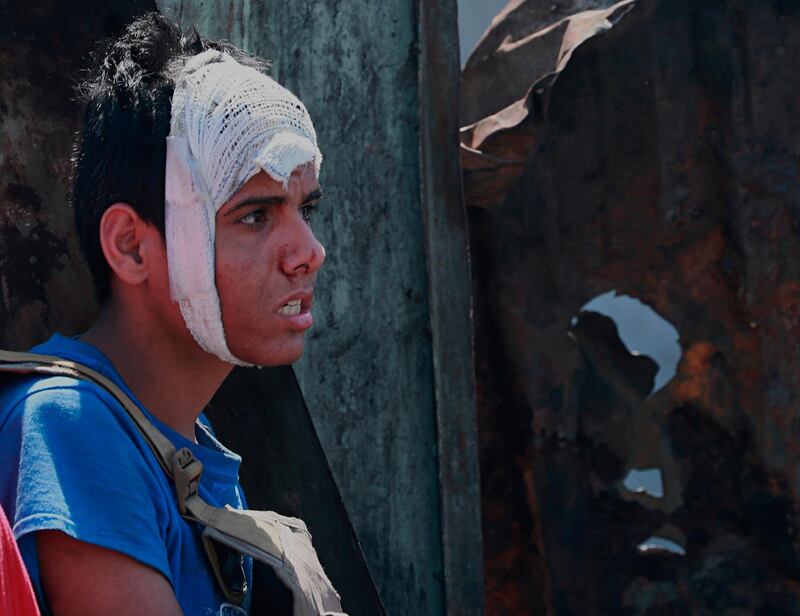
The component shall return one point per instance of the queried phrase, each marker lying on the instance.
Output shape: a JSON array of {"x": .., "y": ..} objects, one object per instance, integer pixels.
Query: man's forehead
[{"x": 262, "y": 189}]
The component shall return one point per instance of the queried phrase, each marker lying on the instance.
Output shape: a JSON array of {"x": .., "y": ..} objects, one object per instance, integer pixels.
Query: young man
[{"x": 195, "y": 179}]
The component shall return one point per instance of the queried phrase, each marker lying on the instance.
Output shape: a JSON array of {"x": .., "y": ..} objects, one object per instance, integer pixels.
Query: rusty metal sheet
[
  {"x": 494, "y": 149},
  {"x": 659, "y": 183},
  {"x": 526, "y": 39}
]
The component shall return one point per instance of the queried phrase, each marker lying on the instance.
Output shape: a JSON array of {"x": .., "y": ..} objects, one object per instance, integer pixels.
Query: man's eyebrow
[
  {"x": 257, "y": 200},
  {"x": 272, "y": 200},
  {"x": 314, "y": 195}
]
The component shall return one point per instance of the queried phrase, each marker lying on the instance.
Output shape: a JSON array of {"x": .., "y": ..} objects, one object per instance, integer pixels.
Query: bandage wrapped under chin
[{"x": 229, "y": 122}]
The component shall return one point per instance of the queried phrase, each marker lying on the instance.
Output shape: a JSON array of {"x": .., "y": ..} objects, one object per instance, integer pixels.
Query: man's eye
[
  {"x": 308, "y": 211},
  {"x": 254, "y": 218}
]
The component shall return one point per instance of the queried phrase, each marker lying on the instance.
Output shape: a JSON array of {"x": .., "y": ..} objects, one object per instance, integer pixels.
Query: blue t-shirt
[{"x": 72, "y": 460}]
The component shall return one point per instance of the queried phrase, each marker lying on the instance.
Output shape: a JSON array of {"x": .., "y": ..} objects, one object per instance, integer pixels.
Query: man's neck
[{"x": 166, "y": 370}]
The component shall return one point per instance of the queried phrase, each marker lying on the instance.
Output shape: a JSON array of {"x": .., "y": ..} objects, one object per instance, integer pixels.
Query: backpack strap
[{"x": 180, "y": 465}]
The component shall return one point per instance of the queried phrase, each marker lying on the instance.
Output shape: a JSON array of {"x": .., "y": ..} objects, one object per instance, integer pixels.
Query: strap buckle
[{"x": 186, "y": 471}]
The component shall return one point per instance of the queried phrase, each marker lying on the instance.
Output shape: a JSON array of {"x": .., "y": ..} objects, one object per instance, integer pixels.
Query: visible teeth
[{"x": 290, "y": 309}]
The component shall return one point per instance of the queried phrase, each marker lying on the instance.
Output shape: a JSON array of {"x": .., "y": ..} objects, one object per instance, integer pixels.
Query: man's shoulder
[
  {"x": 67, "y": 420},
  {"x": 56, "y": 396},
  {"x": 51, "y": 398}
]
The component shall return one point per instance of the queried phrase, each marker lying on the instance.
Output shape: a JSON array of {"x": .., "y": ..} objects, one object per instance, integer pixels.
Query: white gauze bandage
[{"x": 228, "y": 123}]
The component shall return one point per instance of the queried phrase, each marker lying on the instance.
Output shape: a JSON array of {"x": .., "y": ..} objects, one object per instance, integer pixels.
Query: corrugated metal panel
[{"x": 661, "y": 164}]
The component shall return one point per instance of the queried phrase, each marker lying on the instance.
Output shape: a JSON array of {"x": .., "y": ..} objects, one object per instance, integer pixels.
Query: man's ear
[{"x": 126, "y": 241}]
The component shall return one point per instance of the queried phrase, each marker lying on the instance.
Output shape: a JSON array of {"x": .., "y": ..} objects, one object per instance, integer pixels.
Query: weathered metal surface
[
  {"x": 518, "y": 44},
  {"x": 495, "y": 148},
  {"x": 368, "y": 371},
  {"x": 663, "y": 164},
  {"x": 447, "y": 244},
  {"x": 43, "y": 282}
]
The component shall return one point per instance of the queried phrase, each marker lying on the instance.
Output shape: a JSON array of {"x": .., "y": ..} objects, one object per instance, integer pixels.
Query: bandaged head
[{"x": 229, "y": 122}]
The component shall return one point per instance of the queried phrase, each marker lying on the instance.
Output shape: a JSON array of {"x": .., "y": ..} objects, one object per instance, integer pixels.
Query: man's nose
[{"x": 303, "y": 253}]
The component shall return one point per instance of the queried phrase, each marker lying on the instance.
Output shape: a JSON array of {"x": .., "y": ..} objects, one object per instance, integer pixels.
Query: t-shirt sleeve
[{"x": 85, "y": 470}]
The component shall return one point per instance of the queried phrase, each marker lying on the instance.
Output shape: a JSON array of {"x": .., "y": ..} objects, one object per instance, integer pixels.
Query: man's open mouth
[{"x": 291, "y": 308}]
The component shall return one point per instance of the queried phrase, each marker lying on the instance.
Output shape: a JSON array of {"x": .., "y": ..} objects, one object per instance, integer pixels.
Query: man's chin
[{"x": 271, "y": 357}]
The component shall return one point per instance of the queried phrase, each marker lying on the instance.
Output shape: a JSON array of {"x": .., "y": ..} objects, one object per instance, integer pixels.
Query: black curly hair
[{"x": 120, "y": 153}]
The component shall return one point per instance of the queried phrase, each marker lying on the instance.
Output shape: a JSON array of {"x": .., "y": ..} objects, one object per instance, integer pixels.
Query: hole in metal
[
  {"x": 653, "y": 545},
  {"x": 645, "y": 481},
  {"x": 643, "y": 331}
]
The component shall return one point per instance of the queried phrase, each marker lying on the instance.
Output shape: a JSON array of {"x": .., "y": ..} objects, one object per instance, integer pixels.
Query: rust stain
[
  {"x": 699, "y": 264},
  {"x": 695, "y": 380}
]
